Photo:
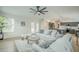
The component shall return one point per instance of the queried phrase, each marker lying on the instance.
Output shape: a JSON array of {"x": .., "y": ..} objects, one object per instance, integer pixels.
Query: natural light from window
[
  {"x": 34, "y": 27},
  {"x": 12, "y": 29}
]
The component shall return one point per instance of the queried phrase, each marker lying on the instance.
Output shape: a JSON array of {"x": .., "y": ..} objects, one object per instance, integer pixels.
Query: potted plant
[{"x": 2, "y": 25}]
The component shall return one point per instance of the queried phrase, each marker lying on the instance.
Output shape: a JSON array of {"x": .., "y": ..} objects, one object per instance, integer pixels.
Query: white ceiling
[{"x": 52, "y": 10}]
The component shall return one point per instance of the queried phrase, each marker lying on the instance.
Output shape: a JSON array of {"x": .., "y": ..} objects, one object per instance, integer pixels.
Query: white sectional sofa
[
  {"x": 46, "y": 44},
  {"x": 63, "y": 44}
]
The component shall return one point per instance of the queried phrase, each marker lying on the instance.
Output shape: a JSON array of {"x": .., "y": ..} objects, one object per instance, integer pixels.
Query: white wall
[{"x": 18, "y": 29}]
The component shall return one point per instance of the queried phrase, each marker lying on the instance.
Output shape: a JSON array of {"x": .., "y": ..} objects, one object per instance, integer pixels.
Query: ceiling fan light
[{"x": 38, "y": 13}]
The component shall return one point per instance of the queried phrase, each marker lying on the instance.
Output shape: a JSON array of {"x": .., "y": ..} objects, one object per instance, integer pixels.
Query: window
[
  {"x": 10, "y": 25},
  {"x": 37, "y": 27},
  {"x": 34, "y": 27}
]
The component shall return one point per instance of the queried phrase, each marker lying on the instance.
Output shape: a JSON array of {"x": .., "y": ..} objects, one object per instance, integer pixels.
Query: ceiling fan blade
[
  {"x": 33, "y": 9},
  {"x": 43, "y": 9},
  {"x": 37, "y": 8},
  {"x": 33, "y": 12},
  {"x": 42, "y": 13}
]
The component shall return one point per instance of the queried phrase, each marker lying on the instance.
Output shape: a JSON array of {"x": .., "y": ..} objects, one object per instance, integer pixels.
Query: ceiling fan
[{"x": 38, "y": 10}]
